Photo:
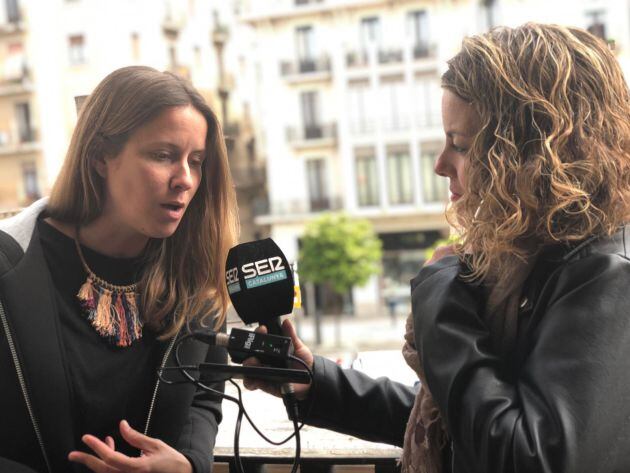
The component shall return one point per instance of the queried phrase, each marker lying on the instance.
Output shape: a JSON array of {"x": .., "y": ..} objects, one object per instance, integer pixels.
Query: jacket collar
[{"x": 22, "y": 225}]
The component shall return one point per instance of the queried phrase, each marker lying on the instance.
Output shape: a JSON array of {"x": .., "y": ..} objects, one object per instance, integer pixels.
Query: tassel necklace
[{"x": 112, "y": 310}]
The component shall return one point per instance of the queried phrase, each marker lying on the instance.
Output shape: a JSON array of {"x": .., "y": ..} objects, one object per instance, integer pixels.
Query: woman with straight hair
[
  {"x": 520, "y": 332},
  {"x": 99, "y": 281}
]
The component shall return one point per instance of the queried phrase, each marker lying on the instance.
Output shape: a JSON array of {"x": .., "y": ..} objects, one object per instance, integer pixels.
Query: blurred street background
[{"x": 328, "y": 107}]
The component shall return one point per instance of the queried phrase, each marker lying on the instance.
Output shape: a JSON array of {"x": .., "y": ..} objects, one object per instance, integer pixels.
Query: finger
[
  {"x": 137, "y": 439},
  {"x": 112, "y": 458},
  {"x": 261, "y": 329},
  {"x": 252, "y": 361},
  {"x": 93, "y": 463},
  {"x": 289, "y": 330},
  {"x": 109, "y": 441}
]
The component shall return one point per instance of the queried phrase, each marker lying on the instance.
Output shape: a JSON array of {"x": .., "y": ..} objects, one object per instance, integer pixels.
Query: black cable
[{"x": 289, "y": 399}]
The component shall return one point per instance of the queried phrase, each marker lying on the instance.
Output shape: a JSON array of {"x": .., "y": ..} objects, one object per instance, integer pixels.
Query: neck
[{"x": 103, "y": 237}]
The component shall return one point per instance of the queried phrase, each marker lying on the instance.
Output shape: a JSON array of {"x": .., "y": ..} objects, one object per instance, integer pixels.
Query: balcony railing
[
  {"x": 306, "y": 206},
  {"x": 307, "y": 2},
  {"x": 423, "y": 51},
  {"x": 390, "y": 56},
  {"x": 250, "y": 176},
  {"x": 305, "y": 66},
  {"x": 357, "y": 59},
  {"x": 312, "y": 133}
]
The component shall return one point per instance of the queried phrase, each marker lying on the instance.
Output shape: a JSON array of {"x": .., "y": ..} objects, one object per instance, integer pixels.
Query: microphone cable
[{"x": 288, "y": 396}]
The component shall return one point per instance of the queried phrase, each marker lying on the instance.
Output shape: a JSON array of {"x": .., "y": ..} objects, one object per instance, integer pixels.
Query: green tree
[{"x": 340, "y": 252}]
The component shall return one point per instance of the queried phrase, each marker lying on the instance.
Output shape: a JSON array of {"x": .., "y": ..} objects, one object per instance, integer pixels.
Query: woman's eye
[
  {"x": 459, "y": 149},
  {"x": 160, "y": 156}
]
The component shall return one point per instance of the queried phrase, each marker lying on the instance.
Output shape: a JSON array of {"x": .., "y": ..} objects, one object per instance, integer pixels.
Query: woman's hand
[
  {"x": 440, "y": 252},
  {"x": 156, "y": 456},
  {"x": 301, "y": 351}
]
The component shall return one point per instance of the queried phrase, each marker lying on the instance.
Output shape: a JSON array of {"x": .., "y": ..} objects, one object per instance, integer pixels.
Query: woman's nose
[
  {"x": 442, "y": 166},
  {"x": 183, "y": 178}
]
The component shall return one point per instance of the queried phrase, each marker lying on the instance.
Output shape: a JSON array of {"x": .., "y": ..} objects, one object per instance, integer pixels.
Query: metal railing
[
  {"x": 305, "y": 66},
  {"x": 312, "y": 132}
]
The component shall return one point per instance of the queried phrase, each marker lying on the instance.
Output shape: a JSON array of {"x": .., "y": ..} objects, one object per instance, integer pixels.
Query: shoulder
[{"x": 20, "y": 227}]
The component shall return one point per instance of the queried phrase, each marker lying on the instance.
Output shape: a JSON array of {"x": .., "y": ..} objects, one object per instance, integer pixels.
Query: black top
[{"x": 108, "y": 383}]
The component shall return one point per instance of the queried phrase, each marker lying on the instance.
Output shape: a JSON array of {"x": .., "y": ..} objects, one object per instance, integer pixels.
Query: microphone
[{"x": 260, "y": 283}]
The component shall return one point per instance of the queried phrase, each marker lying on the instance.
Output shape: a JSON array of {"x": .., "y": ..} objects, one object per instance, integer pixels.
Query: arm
[
  {"x": 351, "y": 402},
  {"x": 567, "y": 409}
]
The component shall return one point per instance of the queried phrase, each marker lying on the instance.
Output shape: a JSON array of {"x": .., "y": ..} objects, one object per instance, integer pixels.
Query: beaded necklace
[{"x": 112, "y": 310}]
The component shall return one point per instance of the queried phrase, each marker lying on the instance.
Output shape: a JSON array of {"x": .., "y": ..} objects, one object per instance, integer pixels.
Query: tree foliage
[{"x": 339, "y": 251}]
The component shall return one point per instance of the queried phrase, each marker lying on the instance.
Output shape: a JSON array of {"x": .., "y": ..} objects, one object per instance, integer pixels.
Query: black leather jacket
[{"x": 562, "y": 404}]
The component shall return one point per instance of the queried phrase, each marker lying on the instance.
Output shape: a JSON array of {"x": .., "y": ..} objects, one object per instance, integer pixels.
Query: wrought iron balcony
[
  {"x": 305, "y": 66},
  {"x": 312, "y": 133}
]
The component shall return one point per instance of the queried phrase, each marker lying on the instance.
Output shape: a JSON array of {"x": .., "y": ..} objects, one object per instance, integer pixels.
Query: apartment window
[
  {"x": 29, "y": 181},
  {"x": 399, "y": 176},
  {"x": 596, "y": 24},
  {"x": 76, "y": 49},
  {"x": 305, "y": 46},
  {"x": 427, "y": 107},
  {"x": 370, "y": 31},
  {"x": 172, "y": 57},
  {"x": 434, "y": 187},
  {"x": 310, "y": 114},
  {"x": 367, "y": 177},
  {"x": 394, "y": 103},
  {"x": 135, "y": 46},
  {"x": 23, "y": 118},
  {"x": 360, "y": 108},
  {"x": 317, "y": 188},
  {"x": 418, "y": 22},
  {"x": 15, "y": 65},
  {"x": 13, "y": 11}
]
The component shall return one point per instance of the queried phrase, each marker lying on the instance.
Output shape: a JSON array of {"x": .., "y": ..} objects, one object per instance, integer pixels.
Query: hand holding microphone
[{"x": 301, "y": 351}]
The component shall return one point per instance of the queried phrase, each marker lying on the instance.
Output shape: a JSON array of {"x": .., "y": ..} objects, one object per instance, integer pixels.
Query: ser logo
[
  {"x": 263, "y": 266},
  {"x": 257, "y": 273}
]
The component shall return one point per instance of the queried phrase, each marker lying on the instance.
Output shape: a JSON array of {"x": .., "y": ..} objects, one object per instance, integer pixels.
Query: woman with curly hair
[{"x": 520, "y": 332}]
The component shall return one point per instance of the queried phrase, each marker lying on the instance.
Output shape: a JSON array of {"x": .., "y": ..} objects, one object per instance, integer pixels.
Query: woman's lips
[{"x": 173, "y": 212}]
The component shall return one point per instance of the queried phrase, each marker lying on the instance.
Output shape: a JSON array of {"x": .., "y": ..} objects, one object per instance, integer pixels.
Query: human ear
[{"x": 100, "y": 166}]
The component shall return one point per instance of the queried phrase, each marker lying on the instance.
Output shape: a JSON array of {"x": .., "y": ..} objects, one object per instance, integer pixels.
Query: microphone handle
[{"x": 273, "y": 326}]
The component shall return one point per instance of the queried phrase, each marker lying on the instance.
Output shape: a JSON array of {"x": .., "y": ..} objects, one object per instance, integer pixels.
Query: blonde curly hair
[{"x": 551, "y": 162}]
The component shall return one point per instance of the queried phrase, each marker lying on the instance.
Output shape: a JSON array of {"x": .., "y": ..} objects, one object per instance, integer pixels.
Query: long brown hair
[
  {"x": 551, "y": 162},
  {"x": 184, "y": 273}
]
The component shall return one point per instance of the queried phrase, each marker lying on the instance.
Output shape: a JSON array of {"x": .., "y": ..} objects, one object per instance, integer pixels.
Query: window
[
  {"x": 434, "y": 187},
  {"x": 310, "y": 115},
  {"x": 29, "y": 181},
  {"x": 135, "y": 46},
  {"x": 23, "y": 118},
  {"x": 367, "y": 177},
  {"x": 15, "y": 65},
  {"x": 399, "y": 176},
  {"x": 370, "y": 32},
  {"x": 317, "y": 188},
  {"x": 172, "y": 57},
  {"x": 360, "y": 108},
  {"x": 418, "y": 22},
  {"x": 596, "y": 24},
  {"x": 427, "y": 108},
  {"x": 394, "y": 104},
  {"x": 13, "y": 11},
  {"x": 305, "y": 44},
  {"x": 76, "y": 49}
]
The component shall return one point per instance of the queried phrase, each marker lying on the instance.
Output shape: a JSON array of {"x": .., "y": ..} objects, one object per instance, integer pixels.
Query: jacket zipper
[
  {"x": 157, "y": 383},
  {"x": 22, "y": 381}
]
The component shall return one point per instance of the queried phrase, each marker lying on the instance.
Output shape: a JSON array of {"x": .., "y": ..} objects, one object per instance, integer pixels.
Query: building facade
[
  {"x": 350, "y": 117},
  {"x": 55, "y": 50}
]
